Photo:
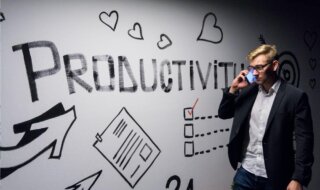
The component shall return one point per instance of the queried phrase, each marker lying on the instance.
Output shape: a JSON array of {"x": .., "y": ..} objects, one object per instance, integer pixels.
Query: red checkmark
[{"x": 194, "y": 105}]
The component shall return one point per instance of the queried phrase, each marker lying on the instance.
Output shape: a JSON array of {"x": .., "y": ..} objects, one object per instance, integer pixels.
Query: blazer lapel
[{"x": 276, "y": 103}]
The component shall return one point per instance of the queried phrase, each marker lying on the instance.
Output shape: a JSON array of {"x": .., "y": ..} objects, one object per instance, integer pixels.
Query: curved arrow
[{"x": 47, "y": 131}]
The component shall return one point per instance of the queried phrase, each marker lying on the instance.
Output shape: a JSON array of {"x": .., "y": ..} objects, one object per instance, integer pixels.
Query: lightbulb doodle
[{"x": 127, "y": 147}]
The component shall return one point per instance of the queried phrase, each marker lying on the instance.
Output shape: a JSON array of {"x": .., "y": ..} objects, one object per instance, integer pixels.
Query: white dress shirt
[{"x": 253, "y": 160}]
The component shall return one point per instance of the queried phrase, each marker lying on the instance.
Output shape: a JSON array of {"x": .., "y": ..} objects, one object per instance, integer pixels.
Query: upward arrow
[
  {"x": 86, "y": 183},
  {"x": 47, "y": 131}
]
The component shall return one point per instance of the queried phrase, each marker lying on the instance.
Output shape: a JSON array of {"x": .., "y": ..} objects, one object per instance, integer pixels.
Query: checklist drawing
[{"x": 127, "y": 147}]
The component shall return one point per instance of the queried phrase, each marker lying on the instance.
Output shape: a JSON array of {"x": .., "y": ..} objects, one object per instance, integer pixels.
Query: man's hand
[
  {"x": 239, "y": 82},
  {"x": 294, "y": 185}
]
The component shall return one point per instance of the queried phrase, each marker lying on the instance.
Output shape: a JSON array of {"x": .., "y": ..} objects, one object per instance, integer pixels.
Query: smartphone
[{"x": 250, "y": 78}]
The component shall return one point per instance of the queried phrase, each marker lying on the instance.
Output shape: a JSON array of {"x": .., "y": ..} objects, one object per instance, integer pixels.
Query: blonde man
[{"x": 267, "y": 116}]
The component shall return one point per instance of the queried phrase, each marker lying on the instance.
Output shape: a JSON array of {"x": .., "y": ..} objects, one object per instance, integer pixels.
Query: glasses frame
[{"x": 259, "y": 68}]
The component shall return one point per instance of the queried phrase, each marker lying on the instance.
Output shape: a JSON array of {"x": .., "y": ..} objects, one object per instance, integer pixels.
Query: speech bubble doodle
[
  {"x": 164, "y": 42},
  {"x": 136, "y": 32},
  {"x": 312, "y": 83},
  {"x": 111, "y": 19},
  {"x": 210, "y": 31},
  {"x": 310, "y": 39},
  {"x": 313, "y": 63},
  {"x": 2, "y": 18}
]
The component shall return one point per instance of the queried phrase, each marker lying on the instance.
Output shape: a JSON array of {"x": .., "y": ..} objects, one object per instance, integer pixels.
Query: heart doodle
[
  {"x": 111, "y": 19},
  {"x": 210, "y": 31},
  {"x": 2, "y": 18},
  {"x": 313, "y": 63},
  {"x": 164, "y": 42},
  {"x": 312, "y": 83},
  {"x": 136, "y": 32},
  {"x": 310, "y": 39}
]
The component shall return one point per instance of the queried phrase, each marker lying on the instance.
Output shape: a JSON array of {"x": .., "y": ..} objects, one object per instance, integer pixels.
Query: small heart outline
[
  {"x": 113, "y": 25},
  {"x": 164, "y": 38},
  {"x": 133, "y": 32}
]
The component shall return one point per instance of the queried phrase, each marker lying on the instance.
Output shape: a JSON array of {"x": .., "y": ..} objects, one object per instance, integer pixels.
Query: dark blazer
[{"x": 289, "y": 119}]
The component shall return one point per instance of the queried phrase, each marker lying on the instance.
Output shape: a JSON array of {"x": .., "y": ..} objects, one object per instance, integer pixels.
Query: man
[{"x": 272, "y": 133}]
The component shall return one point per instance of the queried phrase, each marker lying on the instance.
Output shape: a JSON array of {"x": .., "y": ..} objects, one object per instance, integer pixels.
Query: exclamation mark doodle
[{"x": 2, "y": 18}]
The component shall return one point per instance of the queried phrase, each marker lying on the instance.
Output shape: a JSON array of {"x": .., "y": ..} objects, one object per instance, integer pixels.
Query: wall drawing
[
  {"x": 136, "y": 31},
  {"x": 127, "y": 147},
  {"x": 164, "y": 42},
  {"x": 86, "y": 183},
  {"x": 191, "y": 134},
  {"x": 310, "y": 39},
  {"x": 2, "y": 17},
  {"x": 109, "y": 19},
  {"x": 210, "y": 31},
  {"x": 37, "y": 132}
]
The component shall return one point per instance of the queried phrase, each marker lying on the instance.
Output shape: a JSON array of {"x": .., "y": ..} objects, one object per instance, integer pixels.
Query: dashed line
[
  {"x": 210, "y": 150},
  {"x": 205, "y": 117},
  {"x": 210, "y": 133}
]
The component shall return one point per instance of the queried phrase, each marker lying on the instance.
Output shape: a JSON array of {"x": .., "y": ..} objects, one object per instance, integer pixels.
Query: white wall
[{"x": 90, "y": 128}]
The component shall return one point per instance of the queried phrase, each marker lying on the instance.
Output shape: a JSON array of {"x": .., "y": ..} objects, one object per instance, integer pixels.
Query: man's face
[{"x": 263, "y": 68}]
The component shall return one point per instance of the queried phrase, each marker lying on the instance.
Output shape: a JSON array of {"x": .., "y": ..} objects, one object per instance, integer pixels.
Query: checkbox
[
  {"x": 188, "y": 148},
  {"x": 188, "y": 130},
  {"x": 188, "y": 114}
]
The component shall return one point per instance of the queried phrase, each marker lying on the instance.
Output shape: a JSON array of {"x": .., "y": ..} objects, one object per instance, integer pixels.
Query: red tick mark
[{"x": 194, "y": 105}]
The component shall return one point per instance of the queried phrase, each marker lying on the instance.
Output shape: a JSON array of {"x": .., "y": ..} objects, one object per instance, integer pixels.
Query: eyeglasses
[{"x": 259, "y": 67}]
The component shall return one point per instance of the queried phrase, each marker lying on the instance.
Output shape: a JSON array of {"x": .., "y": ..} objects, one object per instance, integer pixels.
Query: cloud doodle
[
  {"x": 136, "y": 32},
  {"x": 210, "y": 31},
  {"x": 164, "y": 42},
  {"x": 111, "y": 19},
  {"x": 310, "y": 39}
]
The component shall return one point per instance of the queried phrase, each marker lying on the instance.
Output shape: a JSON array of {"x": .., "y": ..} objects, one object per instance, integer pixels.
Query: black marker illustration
[
  {"x": 310, "y": 38},
  {"x": 38, "y": 138},
  {"x": 210, "y": 31},
  {"x": 111, "y": 19},
  {"x": 136, "y": 32},
  {"x": 289, "y": 68},
  {"x": 177, "y": 181},
  {"x": 164, "y": 42},
  {"x": 87, "y": 183},
  {"x": 127, "y": 147},
  {"x": 312, "y": 83},
  {"x": 2, "y": 18},
  {"x": 191, "y": 135},
  {"x": 313, "y": 63}
]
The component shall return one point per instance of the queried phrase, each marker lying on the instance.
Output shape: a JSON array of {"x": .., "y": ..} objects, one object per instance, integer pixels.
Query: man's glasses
[{"x": 259, "y": 67}]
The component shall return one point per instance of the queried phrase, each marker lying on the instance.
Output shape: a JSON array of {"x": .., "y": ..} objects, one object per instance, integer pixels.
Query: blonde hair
[{"x": 269, "y": 50}]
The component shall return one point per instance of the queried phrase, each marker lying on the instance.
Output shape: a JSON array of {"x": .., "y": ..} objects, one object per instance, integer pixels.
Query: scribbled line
[
  {"x": 82, "y": 184},
  {"x": 213, "y": 132},
  {"x": 220, "y": 147}
]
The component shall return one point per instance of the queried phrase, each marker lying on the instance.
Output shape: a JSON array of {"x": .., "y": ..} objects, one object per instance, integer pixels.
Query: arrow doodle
[
  {"x": 87, "y": 183},
  {"x": 44, "y": 132}
]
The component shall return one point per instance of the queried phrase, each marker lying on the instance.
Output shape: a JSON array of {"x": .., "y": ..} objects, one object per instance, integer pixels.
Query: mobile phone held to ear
[{"x": 250, "y": 78}]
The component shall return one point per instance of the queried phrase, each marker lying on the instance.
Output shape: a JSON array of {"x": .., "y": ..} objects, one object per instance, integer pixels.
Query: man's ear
[{"x": 275, "y": 65}]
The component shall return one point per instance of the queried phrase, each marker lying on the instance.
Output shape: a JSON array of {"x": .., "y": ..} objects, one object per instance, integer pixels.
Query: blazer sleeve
[
  {"x": 227, "y": 105},
  {"x": 304, "y": 141}
]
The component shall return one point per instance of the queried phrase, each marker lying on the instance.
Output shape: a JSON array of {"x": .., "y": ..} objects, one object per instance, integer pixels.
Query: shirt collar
[{"x": 274, "y": 88}]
